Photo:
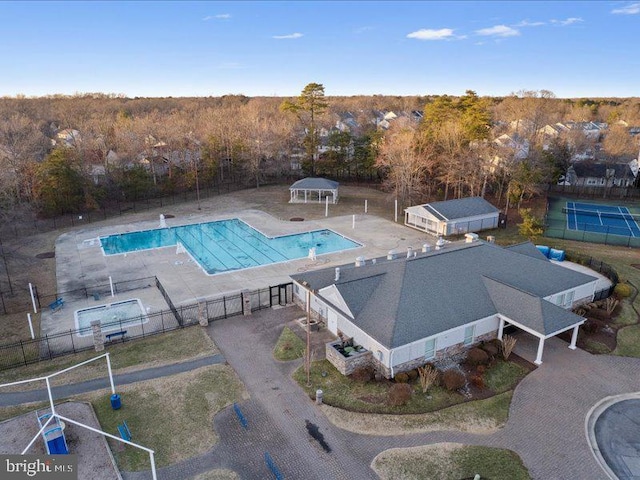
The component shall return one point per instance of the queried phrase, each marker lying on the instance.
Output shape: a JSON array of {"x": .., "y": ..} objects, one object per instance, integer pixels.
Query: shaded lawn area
[
  {"x": 171, "y": 347},
  {"x": 289, "y": 346},
  {"x": 172, "y": 415},
  {"x": 371, "y": 397},
  {"x": 449, "y": 461}
]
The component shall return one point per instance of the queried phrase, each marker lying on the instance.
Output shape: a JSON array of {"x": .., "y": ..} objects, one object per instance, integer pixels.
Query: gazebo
[{"x": 309, "y": 189}]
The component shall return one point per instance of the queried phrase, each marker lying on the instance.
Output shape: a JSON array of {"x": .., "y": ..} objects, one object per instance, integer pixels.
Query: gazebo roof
[{"x": 314, "y": 183}]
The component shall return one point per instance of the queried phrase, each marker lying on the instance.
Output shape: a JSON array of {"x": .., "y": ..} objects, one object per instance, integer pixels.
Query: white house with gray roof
[
  {"x": 408, "y": 311},
  {"x": 453, "y": 217}
]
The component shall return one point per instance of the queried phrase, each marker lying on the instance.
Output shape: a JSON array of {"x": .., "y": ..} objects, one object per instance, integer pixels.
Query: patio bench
[
  {"x": 59, "y": 302},
  {"x": 111, "y": 336}
]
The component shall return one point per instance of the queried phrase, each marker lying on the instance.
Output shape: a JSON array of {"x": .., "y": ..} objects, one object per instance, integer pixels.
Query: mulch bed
[
  {"x": 46, "y": 255},
  {"x": 296, "y": 219}
]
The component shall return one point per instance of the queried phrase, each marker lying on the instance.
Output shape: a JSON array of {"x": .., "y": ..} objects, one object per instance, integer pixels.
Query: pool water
[
  {"x": 229, "y": 244},
  {"x": 112, "y": 317}
]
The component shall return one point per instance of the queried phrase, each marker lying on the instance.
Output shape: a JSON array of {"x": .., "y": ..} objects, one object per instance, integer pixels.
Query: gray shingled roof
[
  {"x": 460, "y": 208},
  {"x": 534, "y": 312},
  {"x": 434, "y": 292},
  {"x": 527, "y": 248},
  {"x": 314, "y": 183}
]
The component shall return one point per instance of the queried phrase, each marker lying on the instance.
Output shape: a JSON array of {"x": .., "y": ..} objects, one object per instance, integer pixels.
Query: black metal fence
[
  {"x": 26, "y": 352},
  {"x": 600, "y": 267}
]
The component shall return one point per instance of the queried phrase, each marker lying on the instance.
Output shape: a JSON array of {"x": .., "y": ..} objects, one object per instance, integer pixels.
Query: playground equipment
[{"x": 53, "y": 434}]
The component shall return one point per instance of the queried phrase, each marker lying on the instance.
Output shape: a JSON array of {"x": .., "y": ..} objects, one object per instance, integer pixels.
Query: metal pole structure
[
  {"x": 153, "y": 465},
  {"x": 308, "y": 356},
  {"x": 6, "y": 268},
  {"x": 113, "y": 388},
  {"x": 33, "y": 299},
  {"x": 31, "y": 326},
  {"x": 326, "y": 207},
  {"x": 111, "y": 285},
  {"x": 353, "y": 222},
  {"x": 396, "y": 211},
  {"x": 53, "y": 408},
  {"x": 365, "y": 206}
]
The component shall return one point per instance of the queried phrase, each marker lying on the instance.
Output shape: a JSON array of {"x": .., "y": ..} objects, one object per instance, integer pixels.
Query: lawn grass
[
  {"x": 449, "y": 461},
  {"x": 628, "y": 341},
  {"x": 504, "y": 376},
  {"x": 172, "y": 415},
  {"x": 219, "y": 474},
  {"x": 593, "y": 346},
  {"x": 480, "y": 417},
  {"x": 289, "y": 346},
  {"x": 171, "y": 347}
]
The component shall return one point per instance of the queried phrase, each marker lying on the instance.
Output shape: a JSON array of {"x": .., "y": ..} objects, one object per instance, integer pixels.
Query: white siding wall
[
  {"x": 473, "y": 224},
  {"x": 446, "y": 339},
  {"x": 580, "y": 293}
]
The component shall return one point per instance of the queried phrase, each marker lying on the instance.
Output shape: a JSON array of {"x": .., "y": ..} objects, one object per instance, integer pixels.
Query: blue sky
[{"x": 575, "y": 49}]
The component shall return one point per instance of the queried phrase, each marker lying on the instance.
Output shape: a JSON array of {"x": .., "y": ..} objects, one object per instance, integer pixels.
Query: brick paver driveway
[{"x": 546, "y": 426}]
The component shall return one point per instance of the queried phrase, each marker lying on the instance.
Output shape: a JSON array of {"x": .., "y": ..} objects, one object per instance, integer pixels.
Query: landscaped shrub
[
  {"x": 623, "y": 290},
  {"x": 599, "y": 313},
  {"x": 491, "y": 348},
  {"x": 401, "y": 377},
  {"x": 362, "y": 374},
  {"x": 610, "y": 304},
  {"x": 399, "y": 394},
  {"x": 477, "y": 356},
  {"x": 453, "y": 380},
  {"x": 481, "y": 369},
  {"x": 413, "y": 375},
  {"x": 478, "y": 381},
  {"x": 591, "y": 326}
]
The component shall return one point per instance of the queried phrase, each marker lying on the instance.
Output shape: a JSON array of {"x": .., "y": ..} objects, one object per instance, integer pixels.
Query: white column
[
  {"x": 538, "y": 360},
  {"x": 574, "y": 337},
  {"x": 501, "y": 328},
  {"x": 305, "y": 196}
]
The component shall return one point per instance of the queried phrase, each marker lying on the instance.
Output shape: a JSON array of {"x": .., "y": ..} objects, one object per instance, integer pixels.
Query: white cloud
[
  {"x": 632, "y": 9},
  {"x": 498, "y": 31},
  {"x": 430, "y": 34},
  {"x": 568, "y": 21},
  {"x": 220, "y": 16},
  {"x": 527, "y": 23},
  {"x": 288, "y": 37}
]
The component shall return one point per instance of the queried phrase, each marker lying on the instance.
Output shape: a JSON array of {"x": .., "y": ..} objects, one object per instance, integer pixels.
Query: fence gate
[{"x": 281, "y": 294}]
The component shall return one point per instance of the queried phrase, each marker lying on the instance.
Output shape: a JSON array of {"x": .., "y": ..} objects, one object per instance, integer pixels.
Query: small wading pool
[
  {"x": 112, "y": 317},
  {"x": 228, "y": 245}
]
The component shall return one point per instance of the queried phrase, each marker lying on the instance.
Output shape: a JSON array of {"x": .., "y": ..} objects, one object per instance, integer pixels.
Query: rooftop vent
[
  {"x": 360, "y": 261},
  {"x": 440, "y": 243},
  {"x": 426, "y": 248},
  {"x": 409, "y": 252},
  {"x": 391, "y": 255},
  {"x": 470, "y": 237},
  {"x": 337, "y": 274},
  {"x": 491, "y": 239}
]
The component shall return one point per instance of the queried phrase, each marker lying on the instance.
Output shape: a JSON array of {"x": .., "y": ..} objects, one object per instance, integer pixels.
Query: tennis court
[{"x": 608, "y": 219}]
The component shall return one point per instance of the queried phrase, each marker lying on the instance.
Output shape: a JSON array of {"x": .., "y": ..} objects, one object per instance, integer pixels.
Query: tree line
[{"x": 64, "y": 154}]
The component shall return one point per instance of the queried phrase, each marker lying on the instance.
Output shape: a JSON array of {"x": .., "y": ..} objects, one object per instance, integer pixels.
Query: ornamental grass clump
[
  {"x": 428, "y": 377},
  {"x": 508, "y": 342}
]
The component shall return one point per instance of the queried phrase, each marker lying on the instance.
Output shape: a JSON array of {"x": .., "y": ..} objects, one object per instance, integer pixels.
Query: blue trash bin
[{"x": 116, "y": 403}]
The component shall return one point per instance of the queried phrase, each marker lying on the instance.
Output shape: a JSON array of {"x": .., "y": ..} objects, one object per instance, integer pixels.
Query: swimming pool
[
  {"x": 112, "y": 317},
  {"x": 227, "y": 245}
]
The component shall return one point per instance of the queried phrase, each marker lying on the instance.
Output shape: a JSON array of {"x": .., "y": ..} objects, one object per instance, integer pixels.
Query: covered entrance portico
[{"x": 542, "y": 336}]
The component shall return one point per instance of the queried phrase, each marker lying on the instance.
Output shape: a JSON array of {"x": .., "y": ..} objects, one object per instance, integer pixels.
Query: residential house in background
[
  {"x": 593, "y": 174},
  {"x": 405, "y": 312},
  {"x": 452, "y": 217}
]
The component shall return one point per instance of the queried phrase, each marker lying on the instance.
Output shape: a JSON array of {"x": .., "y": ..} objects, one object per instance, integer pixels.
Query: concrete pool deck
[{"x": 80, "y": 262}]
